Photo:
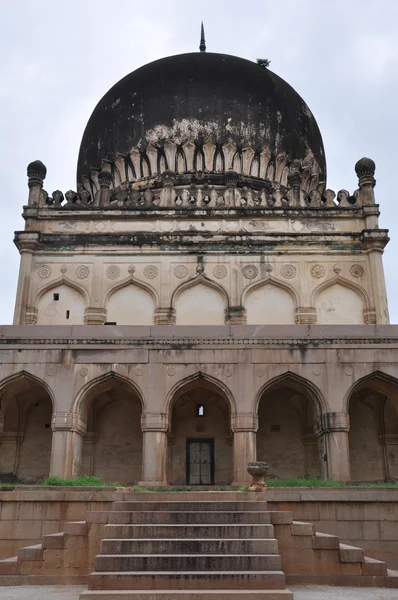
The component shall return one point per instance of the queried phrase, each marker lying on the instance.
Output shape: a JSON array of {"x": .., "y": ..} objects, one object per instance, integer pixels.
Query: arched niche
[
  {"x": 286, "y": 438},
  {"x": 270, "y": 304},
  {"x": 131, "y": 305},
  {"x": 200, "y": 304},
  {"x": 339, "y": 304},
  {"x": 61, "y": 305},
  {"x": 200, "y": 437},
  {"x": 26, "y": 439},
  {"x": 112, "y": 445},
  {"x": 373, "y": 434}
]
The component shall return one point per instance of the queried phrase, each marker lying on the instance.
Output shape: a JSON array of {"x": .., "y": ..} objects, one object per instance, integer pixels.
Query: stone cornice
[{"x": 189, "y": 343}]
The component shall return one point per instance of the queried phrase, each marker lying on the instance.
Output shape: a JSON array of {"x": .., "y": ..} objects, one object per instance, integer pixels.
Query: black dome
[{"x": 201, "y": 95}]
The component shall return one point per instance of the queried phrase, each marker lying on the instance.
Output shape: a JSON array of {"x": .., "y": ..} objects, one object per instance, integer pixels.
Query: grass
[
  {"x": 289, "y": 482},
  {"x": 81, "y": 481}
]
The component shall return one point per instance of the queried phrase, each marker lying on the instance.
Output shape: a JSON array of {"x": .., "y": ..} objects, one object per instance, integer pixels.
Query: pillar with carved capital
[
  {"x": 335, "y": 427},
  {"x": 154, "y": 449},
  {"x": 67, "y": 444},
  {"x": 244, "y": 427}
]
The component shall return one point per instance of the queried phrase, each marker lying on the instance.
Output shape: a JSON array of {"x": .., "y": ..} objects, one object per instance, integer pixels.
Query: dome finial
[{"x": 202, "y": 46}]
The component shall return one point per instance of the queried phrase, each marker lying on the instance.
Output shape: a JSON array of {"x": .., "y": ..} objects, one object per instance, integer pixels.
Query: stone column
[
  {"x": 154, "y": 449},
  {"x": 335, "y": 428},
  {"x": 375, "y": 242},
  {"x": 26, "y": 243},
  {"x": 67, "y": 445},
  {"x": 244, "y": 427}
]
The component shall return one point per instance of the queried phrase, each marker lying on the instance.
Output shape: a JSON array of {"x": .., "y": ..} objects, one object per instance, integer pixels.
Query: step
[
  {"x": 187, "y": 562},
  {"x": 10, "y": 566},
  {"x": 190, "y": 506},
  {"x": 371, "y": 566},
  {"x": 189, "y": 546},
  {"x": 167, "y": 531},
  {"x": 349, "y": 554},
  {"x": 183, "y": 595},
  {"x": 193, "y": 517},
  {"x": 187, "y": 580}
]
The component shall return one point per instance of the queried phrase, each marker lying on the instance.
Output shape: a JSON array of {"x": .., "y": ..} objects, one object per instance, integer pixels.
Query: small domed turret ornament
[
  {"x": 365, "y": 169},
  {"x": 105, "y": 179},
  {"x": 37, "y": 171}
]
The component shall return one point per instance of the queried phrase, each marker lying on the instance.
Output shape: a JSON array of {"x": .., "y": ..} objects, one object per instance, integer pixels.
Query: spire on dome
[{"x": 202, "y": 46}]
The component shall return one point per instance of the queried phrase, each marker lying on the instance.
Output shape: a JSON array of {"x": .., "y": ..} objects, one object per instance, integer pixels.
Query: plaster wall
[
  {"x": 200, "y": 305},
  {"x": 67, "y": 309},
  {"x": 338, "y": 304},
  {"x": 270, "y": 305},
  {"x": 131, "y": 305}
]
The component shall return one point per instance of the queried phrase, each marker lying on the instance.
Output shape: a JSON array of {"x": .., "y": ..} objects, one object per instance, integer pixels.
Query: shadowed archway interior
[
  {"x": 112, "y": 445},
  {"x": 26, "y": 436},
  {"x": 373, "y": 437},
  {"x": 200, "y": 437},
  {"x": 285, "y": 436}
]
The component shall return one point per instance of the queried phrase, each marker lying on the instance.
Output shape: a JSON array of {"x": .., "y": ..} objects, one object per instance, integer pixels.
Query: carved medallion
[
  {"x": 356, "y": 271},
  {"x": 139, "y": 371},
  {"x": 44, "y": 271},
  {"x": 150, "y": 272},
  {"x": 82, "y": 272},
  {"x": 250, "y": 271},
  {"x": 131, "y": 269},
  {"x": 337, "y": 269},
  {"x": 317, "y": 271},
  {"x": 181, "y": 271},
  {"x": 50, "y": 370},
  {"x": 63, "y": 269},
  {"x": 269, "y": 268},
  {"x": 171, "y": 371},
  {"x": 112, "y": 272},
  {"x": 220, "y": 271},
  {"x": 288, "y": 271},
  {"x": 83, "y": 371}
]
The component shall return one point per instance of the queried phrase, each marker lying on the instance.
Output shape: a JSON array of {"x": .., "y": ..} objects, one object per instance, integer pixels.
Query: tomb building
[{"x": 202, "y": 299}]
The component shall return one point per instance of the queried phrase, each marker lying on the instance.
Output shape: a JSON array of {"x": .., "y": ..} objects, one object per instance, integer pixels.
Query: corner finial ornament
[{"x": 202, "y": 46}]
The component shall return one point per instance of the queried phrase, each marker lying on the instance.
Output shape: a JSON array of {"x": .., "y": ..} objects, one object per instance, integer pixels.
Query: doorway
[{"x": 200, "y": 462}]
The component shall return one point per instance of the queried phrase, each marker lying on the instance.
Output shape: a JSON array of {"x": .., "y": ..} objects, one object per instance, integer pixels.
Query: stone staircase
[
  {"x": 190, "y": 546},
  {"x": 188, "y": 550}
]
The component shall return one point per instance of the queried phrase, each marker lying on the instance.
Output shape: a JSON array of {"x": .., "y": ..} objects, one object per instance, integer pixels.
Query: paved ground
[{"x": 310, "y": 592}]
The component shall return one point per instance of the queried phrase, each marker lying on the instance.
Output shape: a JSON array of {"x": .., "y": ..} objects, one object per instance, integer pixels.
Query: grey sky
[{"x": 59, "y": 57}]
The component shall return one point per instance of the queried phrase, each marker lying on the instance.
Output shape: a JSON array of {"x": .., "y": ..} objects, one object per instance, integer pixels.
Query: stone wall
[
  {"x": 362, "y": 517},
  {"x": 367, "y": 518}
]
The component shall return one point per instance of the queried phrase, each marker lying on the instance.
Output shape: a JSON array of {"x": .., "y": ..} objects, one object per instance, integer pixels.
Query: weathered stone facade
[{"x": 202, "y": 298}]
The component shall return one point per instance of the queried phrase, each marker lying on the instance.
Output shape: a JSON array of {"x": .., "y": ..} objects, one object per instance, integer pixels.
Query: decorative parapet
[{"x": 281, "y": 184}]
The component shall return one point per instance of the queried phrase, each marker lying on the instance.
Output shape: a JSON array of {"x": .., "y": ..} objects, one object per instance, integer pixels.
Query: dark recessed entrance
[{"x": 200, "y": 462}]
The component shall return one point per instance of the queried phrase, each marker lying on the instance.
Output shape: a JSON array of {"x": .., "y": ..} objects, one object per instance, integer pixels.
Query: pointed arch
[
  {"x": 344, "y": 282},
  {"x": 296, "y": 382},
  {"x": 216, "y": 384},
  {"x": 84, "y": 393},
  {"x": 336, "y": 307},
  {"x": 377, "y": 377},
  {"x": 61, "y": 281},
  {"x": 269, "y": 279},
  {"x": 195, "y": 281},
  {"x": 30, "y": 377},
  {"x": 125, "y": 283}
]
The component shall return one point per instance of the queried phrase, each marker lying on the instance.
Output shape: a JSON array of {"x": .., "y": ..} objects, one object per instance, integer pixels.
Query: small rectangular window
[
  {"x": 67, "y": 314},
  {"x": 200, "y": 410},
  {"x": 275, "y": 428},
  {"x": 56, "y": 297}
]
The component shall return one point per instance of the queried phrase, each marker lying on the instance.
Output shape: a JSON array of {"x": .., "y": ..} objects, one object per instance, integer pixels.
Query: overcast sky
[{"x": 58, "y": 58}]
